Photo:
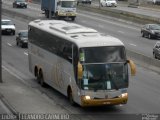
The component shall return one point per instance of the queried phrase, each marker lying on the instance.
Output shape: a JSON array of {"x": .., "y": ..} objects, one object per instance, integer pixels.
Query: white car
[
  {"x": 109, "y": 3},
  {"x": 7, "y": 27}
]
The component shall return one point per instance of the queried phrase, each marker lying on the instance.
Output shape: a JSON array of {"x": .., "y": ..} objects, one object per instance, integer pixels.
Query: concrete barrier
[
  {"x": 139, "y": 58},
  {"x": 145, "y": 61}
]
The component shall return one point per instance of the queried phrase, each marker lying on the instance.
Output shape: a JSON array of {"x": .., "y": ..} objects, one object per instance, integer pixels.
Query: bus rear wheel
[{"x": 40, "y": 79}]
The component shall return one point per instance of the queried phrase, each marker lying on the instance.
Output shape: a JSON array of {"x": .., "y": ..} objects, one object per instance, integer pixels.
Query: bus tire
[
  {"x": 36, "y": 73},
  {"x": 17, "y": 43},
  {"x": 70, "y": 97},
  {"x": 72, "y": 18},
  {"x": 40, "y": 79}
]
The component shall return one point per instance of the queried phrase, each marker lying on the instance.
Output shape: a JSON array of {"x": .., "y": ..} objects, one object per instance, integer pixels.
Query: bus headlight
[
  {"x": 87, "y": 97},
  {"x": 124, "y": 95}
]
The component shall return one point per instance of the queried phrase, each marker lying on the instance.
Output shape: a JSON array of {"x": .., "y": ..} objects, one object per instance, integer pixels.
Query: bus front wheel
[{"x": 70, "y": 97}]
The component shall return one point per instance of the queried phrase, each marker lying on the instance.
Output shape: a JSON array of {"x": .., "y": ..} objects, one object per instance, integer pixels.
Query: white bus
[{"x": 88, "y": 67}]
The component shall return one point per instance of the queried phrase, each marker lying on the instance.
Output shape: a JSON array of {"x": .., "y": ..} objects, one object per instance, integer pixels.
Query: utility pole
[
  {"x": 0, "y": 42},
  {"x": 50, "y": 9}
]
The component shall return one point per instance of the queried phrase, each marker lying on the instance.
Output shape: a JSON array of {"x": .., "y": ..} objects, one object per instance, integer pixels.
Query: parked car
[
  {"x": 22, "y": 38},
  {"x": 156, "y": 50},
  {"x": 84, "y": 1},
  {"x": 7, "y": 27},
  {"x": 20, "y": 4},
  {"x": 151, "y": 31},
  {"x": 109, "y": 3}
]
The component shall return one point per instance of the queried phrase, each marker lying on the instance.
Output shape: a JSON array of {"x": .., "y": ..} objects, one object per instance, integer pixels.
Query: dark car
[
  {"x": 156, "y": 51},
  {"x": 151, "y": 31},
  {"x": 22, "y": 38},
  {"x": 84, "y": 1},
  {"x": 20, "y": 4}
]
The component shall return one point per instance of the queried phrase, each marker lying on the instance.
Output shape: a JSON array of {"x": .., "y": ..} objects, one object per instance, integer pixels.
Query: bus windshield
[
  {"x": 102, "y": 54},
  {"x": 105, "y": 76}
]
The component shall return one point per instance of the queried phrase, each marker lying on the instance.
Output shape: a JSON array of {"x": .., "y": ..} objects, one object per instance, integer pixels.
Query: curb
[{"x": 145, "y": 8}]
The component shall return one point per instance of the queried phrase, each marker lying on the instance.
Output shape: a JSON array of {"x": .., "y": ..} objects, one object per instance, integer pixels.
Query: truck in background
[{"x": 59, "y": 8}]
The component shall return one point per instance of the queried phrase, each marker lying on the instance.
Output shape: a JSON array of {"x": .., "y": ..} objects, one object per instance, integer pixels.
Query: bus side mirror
[
  {"x": 133, "y": 67},
  {"x": 80, "y": 71}
]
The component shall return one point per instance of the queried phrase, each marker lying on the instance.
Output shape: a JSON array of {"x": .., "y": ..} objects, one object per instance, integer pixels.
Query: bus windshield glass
[
  {"x": 104, "y": 54},
  {"x": 105, "y": 76},
  {"x": 68, "y": 4}
]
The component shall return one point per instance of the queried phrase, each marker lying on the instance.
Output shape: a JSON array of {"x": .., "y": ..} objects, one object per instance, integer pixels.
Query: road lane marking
[
  {"x": 26, "y": 53},
  {"x": 101, "y": 26},
  {"x": 132, "y": 44},
  {"x": 9, "y": 44},
  {"x": 83, "y": 21},
  {"x": 121, "y": 32}
]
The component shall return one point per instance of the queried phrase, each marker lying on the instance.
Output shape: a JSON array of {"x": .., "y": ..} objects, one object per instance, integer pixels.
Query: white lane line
[
  {"x": 121, "y": 32},
  {"x": 101, "y": 26},
  {"x": 25, "y": 53},
  {"x": 9, "y": 44},
  {"x": 83, "y": 21},
  {"x": 132, "y": 44}
]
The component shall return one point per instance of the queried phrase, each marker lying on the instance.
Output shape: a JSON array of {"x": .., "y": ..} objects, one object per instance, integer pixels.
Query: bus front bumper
[{"x": 103, "y": 102}]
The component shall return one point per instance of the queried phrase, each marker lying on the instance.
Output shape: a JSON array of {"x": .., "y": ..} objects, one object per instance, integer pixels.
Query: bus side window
[{"x": 67, "y": 52}]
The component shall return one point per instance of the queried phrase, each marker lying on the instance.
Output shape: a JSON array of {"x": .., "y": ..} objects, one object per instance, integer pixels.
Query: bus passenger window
[{"x": 67, "y": 53}]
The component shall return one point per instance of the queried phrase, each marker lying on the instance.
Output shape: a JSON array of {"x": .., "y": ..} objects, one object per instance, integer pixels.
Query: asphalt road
[
  {"x": 144, "y": 93},
  {"x": 128, "y": 33}
]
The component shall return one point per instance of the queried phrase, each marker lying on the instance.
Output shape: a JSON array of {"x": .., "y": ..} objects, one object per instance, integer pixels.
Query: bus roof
[{"x": 78, "y": 34}]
